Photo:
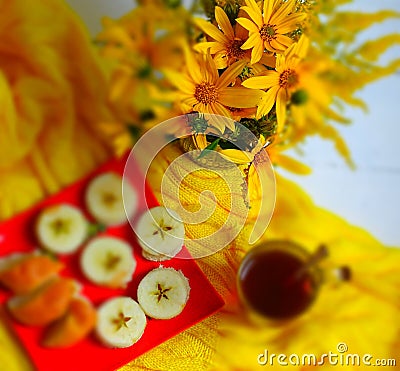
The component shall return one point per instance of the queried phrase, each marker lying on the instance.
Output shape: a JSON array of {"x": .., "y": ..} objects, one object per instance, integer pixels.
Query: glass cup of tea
[{"x": 280, "y": 279}]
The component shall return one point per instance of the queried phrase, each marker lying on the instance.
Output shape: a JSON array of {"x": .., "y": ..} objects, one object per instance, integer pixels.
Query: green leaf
[
  {"x": 210, "y": 147},
  {"x": 95, "y": 228}
]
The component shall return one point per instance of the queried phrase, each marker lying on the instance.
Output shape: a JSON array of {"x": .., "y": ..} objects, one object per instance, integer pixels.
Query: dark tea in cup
[{"x": 277, "y": 281}]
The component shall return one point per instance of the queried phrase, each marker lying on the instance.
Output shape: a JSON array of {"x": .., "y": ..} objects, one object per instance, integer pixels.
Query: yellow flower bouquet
[{"x": 285, "y": 69}]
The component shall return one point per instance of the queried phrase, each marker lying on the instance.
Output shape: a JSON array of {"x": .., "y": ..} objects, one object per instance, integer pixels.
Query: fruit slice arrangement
[
  {"x": 44, "y": 298},
  {"x": 70, "y": 342}
]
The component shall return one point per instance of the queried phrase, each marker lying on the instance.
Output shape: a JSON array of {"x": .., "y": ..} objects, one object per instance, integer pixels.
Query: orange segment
[
  {"x": 77, "y": 323},
  {"x": 28, "y": 272},
  {"x": 45, "y": 304}
]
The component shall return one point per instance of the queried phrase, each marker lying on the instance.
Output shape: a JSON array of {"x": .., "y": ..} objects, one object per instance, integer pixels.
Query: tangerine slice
[
  {"x": 44, "y": 305},
  {"x": 22, "y": 273},
  {"x": 76, "y": 324}
]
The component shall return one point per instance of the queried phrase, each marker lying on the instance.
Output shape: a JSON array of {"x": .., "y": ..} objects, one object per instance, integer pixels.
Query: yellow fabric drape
[
  {"x": 50, "y": 103},
  {"x": 52, "y": 97}
]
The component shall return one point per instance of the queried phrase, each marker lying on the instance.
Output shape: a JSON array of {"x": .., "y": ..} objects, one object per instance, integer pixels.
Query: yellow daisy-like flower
[
  {"x": 268, "y": 28},
  {"x": 228, "y": 41},
  {"x": 280, "y": 83},
  {"x": 201, "y": 88}
]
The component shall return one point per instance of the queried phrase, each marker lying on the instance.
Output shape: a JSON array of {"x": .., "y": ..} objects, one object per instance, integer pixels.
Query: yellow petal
[
  {"x": 223, "y": 21},
  {"x": 237, "y": 156},
  {"x": 257, "y": 52},
  {"x": 200, "y": 140},
  {"x": 190, "y": 101},
  {"x": 267, "y": 9},
  {"x": 221, "y": 122},
  {"x": 290, "y": 22},
  {"x": 121, "y": 80},
  {"x": 254, "y": 15},
  {"x": 116, "y": 34},
  {"x": 253, "y": 39},
  {"x": 280, "y": 15},
  {"x": 267, "y": 101},
  {"x": 298, "y": 114},
  {"x": 280, "y": 63},
  {"x": 230, "y": 74},
  {"x": 284, "y": 40},
  {"x": 213, "y": 46},
  {"x": 181, "y": 83},
  {"x": 298, "y": 50},
  {"x": 219, "y": 109},
  {"x": 291, "y": 164},
  {"x": 240, "y": 97},
  {"x": 247, "y": 24},
  {"x": 200, "y": 107},
  {"x": 221, "y": 60},
  {"x": 271, "y": 78},
  {"x": 193, "y": 65},
  {"x": 281, "y": 101},
  {"x": 275, "y": 46},
  {"x": 211, "y": 30},
  {"x": 210, "y": 72}
]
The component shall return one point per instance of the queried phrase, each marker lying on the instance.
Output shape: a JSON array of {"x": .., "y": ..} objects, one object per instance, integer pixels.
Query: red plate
[{"x": 16, "y": 235}]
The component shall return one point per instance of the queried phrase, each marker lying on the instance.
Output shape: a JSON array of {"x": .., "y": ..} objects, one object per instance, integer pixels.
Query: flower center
[
  {"x": 234, "y": 51},
  {"x": 206, "y": 93},
  {"x": 268, "y": 31},
  {"x": 288, "y": 79}
]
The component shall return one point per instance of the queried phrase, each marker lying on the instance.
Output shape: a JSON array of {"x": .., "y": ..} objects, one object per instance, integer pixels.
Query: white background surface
[{"x": 370, "y": 195}]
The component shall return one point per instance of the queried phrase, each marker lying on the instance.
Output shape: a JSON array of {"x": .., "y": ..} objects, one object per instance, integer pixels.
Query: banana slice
[
  {"x": 105, "y": 202},
  {"x": 108, "y": 261},
  {"x": 160, "y": 233},
  {"x": 153, "y": 257},
  {"x": 120, "y": 322},
  {"x": 163, "y": 293},
  {"x": 61, "y": 229}
]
